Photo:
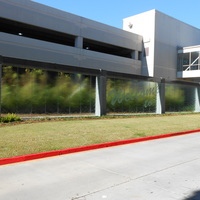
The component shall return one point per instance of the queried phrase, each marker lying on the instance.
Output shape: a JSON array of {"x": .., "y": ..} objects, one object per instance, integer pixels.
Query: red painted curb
[{"x": 11, "y": 160}]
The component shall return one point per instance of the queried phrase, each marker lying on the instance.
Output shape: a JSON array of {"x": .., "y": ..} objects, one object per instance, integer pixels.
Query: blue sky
[{"x": 112, "y": 12}]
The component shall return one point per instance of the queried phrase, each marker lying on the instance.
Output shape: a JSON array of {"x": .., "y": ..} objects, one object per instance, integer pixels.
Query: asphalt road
[{"x": 164, "y": 169}]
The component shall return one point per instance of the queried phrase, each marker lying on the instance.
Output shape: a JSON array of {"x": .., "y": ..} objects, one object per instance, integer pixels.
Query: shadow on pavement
[{"x": 194, "y": 196}]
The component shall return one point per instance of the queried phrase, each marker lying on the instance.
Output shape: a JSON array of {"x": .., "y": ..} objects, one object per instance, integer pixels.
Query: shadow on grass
[{"x": 194, "y": 196}]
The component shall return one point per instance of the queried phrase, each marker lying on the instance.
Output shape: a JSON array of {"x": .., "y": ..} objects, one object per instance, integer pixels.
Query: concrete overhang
[{"x": 189, "y": 74}]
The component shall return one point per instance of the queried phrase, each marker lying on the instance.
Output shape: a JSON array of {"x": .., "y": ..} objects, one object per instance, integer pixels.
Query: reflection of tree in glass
[
  {"x": 38, "y": 91},
  {"x": 174, "y": 98},
  {"x": 131, "y": 96}
]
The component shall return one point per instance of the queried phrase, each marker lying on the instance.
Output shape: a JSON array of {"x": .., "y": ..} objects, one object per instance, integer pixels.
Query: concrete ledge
[{"x": 24, "y": 158}]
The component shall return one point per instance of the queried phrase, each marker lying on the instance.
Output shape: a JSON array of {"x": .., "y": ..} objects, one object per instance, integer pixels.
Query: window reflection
[
  {"x": 130, "y": 96},
  {"x": 39, "y": 92},
  {"x": 179, "y": 98}
]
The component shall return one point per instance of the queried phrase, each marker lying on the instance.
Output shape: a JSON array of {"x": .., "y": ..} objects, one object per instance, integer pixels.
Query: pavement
[{"x": 162, "y": 169}]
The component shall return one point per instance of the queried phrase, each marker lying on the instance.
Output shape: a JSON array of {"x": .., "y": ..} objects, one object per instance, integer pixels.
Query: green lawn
[{"x": 38, "y": 137}]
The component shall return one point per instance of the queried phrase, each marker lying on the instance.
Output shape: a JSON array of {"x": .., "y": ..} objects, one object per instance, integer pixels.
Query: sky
[{"x": 112, "y": 12}]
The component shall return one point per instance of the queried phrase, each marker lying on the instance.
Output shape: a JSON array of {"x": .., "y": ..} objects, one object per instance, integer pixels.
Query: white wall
[{"x": 144, "y": 24}]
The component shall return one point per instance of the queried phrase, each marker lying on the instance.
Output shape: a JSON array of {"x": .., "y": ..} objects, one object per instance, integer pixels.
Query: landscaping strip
[{"x": 24, "y": 158}]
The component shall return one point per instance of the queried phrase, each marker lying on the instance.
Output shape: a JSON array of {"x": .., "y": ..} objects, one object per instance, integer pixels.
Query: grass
[{"x": 28, "y": 138}]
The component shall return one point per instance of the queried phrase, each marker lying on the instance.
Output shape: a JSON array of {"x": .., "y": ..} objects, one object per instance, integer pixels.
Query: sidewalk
[{"x": 162, "y": 169}]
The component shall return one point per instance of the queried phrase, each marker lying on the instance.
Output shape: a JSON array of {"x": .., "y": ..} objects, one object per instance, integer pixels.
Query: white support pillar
[
  {"x": 160, "y": 97},
  {"x": 100, "y": 103},
  {"x": 197, "y": 100}
]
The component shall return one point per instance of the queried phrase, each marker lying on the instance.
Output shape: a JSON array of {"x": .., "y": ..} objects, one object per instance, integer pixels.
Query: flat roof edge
[{"x": 189, "y": 49}]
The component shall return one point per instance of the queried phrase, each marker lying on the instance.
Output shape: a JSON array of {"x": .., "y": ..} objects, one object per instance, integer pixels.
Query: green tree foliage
[
  {"x": 178, "y": 98},
  {"x": 10, "y": 118},
  {"x": 37, "y": 91},
  {"x": 129, "y": 96}
]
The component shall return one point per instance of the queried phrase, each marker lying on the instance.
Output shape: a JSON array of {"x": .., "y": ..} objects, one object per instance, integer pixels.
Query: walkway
[{"x": 163, "y": 169}]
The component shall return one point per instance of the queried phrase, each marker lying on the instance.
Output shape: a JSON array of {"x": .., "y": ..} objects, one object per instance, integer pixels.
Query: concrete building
[
  {"x": 163, "y": 38},
  {"x": 152, "y": 47},
  {"x": 35, "y": 32}
]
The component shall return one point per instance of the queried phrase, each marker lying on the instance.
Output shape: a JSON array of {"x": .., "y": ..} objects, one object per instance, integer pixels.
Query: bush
[{"x": 10, "y": 118}]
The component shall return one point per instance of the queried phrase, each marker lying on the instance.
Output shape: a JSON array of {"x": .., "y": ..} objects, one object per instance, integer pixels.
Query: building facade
[
  {"x": 57, "y": 37},
  {"x": 163, "y": 38},
  {"x": 56, "y": 63}
]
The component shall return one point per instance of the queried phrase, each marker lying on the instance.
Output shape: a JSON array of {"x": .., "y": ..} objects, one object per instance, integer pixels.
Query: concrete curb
[{"x": 24, "y": 158}]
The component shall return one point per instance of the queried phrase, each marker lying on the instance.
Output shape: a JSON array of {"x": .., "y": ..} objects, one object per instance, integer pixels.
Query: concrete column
[
  {"x": 197, "y": 99},
  {"x": 79, "y": 42},
  {"x": 160, "y": 97},
  {"x": 133, "y": 54},
  {"x": 100, "y": 103},
  {"x": 136, "y": 55}
]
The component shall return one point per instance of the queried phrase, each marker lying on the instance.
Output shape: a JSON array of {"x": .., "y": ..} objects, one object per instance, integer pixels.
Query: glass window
[
  {"x": 186, "y": 58},
  {"x": 179, "y": 97},
  {"x": 36, "y": 92},
  {"x": 194, "y": 60},
  {"x": 130, "y": 96},
  {"x": 194, "y": 57}
]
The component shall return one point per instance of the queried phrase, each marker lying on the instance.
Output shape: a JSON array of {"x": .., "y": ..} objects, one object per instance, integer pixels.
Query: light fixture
[{"x": 130, "y": 25}]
